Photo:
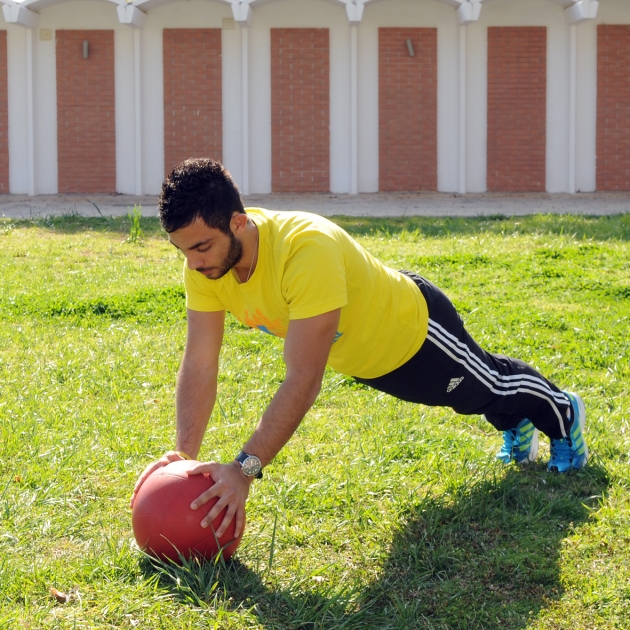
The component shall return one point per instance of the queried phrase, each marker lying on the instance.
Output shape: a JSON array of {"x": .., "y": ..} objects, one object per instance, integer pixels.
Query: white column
[
  {"x": 30, "y": 111},
  {"x": 354, "y": 110},
  {"x": 245, "y": 107},
  {"x": 462, "y": 109},
  {"x": 138, "y": 108},
  {"x": 467, "y": 12},
  {"x": 572, "y": 105},
  {"x": 576, "y": 12}
]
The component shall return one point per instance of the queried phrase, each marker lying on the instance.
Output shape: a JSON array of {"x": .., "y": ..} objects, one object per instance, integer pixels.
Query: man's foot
[
  {"x": 520, "y": 445},
  {"x": 571, "y": 453}
]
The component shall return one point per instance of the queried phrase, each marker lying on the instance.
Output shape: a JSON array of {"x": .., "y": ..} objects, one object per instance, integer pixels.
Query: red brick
[
  {"x": 613, "y": 107},
  {"x": 517, "y": 108},
  {"x": 193, "y": 103},
  {"x": 86, "y": 135},
  {"x": 300, "y": 110},
  {"x": 407, "y": 109}
]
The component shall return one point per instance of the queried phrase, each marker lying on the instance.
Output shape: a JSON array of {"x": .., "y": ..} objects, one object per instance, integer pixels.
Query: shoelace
[
  {"x": 511, "y": 439},
  {"x": 561, "y": 449}
]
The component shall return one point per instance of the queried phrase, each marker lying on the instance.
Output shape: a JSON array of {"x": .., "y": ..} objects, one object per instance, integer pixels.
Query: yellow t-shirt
[{"x": 308, "y": 266}]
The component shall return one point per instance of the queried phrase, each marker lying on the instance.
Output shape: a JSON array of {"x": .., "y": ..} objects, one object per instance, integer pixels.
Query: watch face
[{"x": 251, "y": 466}]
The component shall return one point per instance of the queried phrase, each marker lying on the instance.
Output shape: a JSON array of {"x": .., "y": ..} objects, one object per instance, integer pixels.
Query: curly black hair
[{"x": 199, "y": 187}]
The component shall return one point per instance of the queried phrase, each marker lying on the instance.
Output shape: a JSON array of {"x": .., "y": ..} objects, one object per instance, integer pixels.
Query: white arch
[
  {"x": 575, "y": 11},
  {"x": 242, "y": 9},
  {"x": 26, "y": 12},
  {"x": 38, "y": 5},
  {"x": 132, "y": 12}
]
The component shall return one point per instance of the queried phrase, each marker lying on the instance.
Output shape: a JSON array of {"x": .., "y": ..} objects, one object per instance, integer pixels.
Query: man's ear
[{"x": 238, "y": 223}]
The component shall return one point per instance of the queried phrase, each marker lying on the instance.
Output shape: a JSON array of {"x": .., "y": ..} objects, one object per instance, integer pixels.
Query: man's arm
[
  {"x": 196, "y": 388},
  {"x": 306, "y": 350},
  {"x": 197, "y": 379}
]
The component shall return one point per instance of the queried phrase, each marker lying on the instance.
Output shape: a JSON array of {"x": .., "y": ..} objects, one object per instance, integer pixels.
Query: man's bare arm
[
  {"x": 196, "y": 388},
  {"x": 197, "y": 379},
  {"x": 306, "y": 351}
]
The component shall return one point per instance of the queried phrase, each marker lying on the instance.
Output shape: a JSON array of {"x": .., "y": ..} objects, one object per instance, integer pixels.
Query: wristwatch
[{"x": 250, "y": 465}]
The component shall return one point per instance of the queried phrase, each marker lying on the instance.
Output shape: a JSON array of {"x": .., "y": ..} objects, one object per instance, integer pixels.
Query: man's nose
[{"x": 194, "y": 261}]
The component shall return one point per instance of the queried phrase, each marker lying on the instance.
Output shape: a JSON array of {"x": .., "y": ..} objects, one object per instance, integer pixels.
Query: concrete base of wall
[{"x": 326, "y": 204}]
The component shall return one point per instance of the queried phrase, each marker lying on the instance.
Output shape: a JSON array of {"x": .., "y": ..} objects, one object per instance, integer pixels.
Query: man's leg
[{"x": 452, "y": 370}]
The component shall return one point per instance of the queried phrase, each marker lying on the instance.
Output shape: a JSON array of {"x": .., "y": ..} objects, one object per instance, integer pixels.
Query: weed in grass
[
  {"x": 135, "y": 231},
  {"x": 378, "y": 514},
  {"x": 100, "y": 214}
]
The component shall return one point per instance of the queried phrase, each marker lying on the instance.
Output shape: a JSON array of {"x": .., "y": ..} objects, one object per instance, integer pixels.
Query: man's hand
[
  {"x": 231, "y": 486},
  {"x": 165, "y": 460}
]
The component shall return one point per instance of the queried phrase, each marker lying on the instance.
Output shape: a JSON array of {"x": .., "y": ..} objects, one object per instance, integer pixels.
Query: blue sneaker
[
  {"x": 520, "y": 445},
  {"x": 570, "y": 453}
]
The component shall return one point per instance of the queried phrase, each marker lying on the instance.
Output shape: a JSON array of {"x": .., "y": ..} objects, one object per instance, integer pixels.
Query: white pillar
[
  {"x": 467, "y": 12},
  {"x": 15, "y": 13},
  {"x": 245, "y": 108},
  {"x": 462, "y": 109},
  {"x": 133, "y": 17},
  {"x": 572, "y": 105},
  {"x": 354, "y": 111},
  {"x": 138, "y": 108},
  {"x": 576, "y": 12},
  {"x": 30, "y": 111}
]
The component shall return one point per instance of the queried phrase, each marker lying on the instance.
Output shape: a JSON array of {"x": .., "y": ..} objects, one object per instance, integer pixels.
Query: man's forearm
[
  {"x": 283, "y": 416},
  {"x": 196, "y": 394}
]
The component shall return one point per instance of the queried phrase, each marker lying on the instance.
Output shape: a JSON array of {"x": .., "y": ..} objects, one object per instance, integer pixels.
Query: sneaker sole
[
  {"x": 533, "y": 449},
  {"x": 582, "y": 420}
]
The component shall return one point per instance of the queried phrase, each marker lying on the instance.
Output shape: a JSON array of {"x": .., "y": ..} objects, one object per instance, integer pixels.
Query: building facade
[{"x": 344, "y": 96}]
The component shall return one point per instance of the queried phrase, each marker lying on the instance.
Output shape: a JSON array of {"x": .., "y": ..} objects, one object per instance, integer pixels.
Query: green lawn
[{"x": 378, "y": 513}]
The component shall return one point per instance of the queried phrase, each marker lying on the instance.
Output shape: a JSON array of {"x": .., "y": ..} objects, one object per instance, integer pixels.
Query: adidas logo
[{"x": 453, "y": 384}]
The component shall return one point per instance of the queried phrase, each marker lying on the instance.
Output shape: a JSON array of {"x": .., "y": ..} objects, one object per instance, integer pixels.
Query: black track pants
[{"x": 452, "y": 370}]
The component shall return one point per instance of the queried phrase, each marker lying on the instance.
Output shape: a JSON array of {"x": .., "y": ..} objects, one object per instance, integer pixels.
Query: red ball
[{"x": 164, "y": 524}]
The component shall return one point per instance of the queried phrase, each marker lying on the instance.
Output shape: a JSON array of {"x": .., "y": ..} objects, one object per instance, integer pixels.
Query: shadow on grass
[
  {"x": 485, "y": 555},
  {"x": 488, "y": 556},
  {"x": 582, "y": 227}
]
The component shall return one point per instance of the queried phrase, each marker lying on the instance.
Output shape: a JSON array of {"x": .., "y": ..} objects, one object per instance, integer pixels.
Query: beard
[{"x": 232, "y": 258}]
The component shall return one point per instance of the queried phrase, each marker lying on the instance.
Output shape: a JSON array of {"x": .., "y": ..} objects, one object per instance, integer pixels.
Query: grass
[
  {"x": 135, "y": 229},
  {"x": 378, "y": 514}
]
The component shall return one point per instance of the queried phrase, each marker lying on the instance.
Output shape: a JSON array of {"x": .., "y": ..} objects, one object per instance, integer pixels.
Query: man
[{"x": 302, "y": 278}]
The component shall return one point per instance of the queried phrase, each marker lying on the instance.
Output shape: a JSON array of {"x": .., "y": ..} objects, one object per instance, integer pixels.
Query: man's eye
[{"x": 205, "y": 249}]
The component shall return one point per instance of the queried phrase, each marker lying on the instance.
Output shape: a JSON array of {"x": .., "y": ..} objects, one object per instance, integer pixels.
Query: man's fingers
[
  {"x": 205, "y": 467},
  {"x": 146, "y": 473},
  {"x": 165, "y": 460},
  {"x": 205, "y": 497},
  {"x": 230, "y": 493},
  {"x": 143, "y": 477},
  {"x": 217, "y": 508},
  {"x": 227, "y": 519},
  {"x": 240, "y": 517}
]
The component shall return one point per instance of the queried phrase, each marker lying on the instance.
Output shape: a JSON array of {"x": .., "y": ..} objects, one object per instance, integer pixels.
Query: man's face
[{"x": 208, "y": 250}]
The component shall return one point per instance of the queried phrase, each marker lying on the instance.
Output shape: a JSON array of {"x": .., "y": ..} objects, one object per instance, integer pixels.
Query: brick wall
[
  {"x": 86, "y": 133},
  {"x": 300, "y": 110},
  {"x": 613, "y": 107},
  {"x": 193, "y": 109},
  {"x": 4, "y": 117},
  {"x": 517, "y": 108},
  {"x": 407, "y": 109}
]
